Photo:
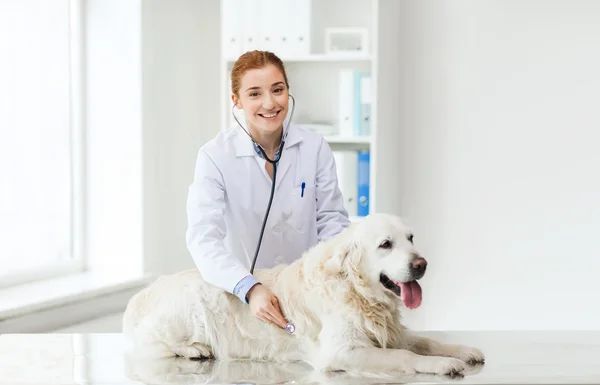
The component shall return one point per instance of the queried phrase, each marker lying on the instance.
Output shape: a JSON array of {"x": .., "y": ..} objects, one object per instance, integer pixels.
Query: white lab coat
[{"x": 228, "y": 198}]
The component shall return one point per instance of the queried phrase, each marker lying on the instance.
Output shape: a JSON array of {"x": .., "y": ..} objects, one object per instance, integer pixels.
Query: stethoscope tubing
[{"x": 289, "y": 327}]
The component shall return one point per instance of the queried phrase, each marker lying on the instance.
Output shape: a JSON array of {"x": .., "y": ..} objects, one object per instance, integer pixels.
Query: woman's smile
[{"x": 269, "y": 116}]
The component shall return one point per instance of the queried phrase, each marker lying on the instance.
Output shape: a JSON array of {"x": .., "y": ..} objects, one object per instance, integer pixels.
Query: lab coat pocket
[{"x": 302, "y": 208}]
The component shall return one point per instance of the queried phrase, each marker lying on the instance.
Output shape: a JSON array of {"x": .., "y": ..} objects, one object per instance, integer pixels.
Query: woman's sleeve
[
  {"x": 332, "y": 216},
  {"x": 206, "y": 228}
]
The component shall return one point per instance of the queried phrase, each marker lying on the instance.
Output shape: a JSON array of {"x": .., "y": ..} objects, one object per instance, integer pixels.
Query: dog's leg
[
  {"x": 390, "y": 361},
  {"x": 341, "y": 350},
  {"x": 429, "y": 347}
]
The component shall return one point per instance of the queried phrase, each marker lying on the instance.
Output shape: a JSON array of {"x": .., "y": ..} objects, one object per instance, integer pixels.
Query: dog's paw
[
  {"x": 451, "y": 367},
  {"x": 470, "y": 355},
  {"x": 445, "y": 366}
]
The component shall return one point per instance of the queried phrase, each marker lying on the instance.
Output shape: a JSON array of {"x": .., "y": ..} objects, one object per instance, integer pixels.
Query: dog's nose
[{"x": 417, "y": 267}]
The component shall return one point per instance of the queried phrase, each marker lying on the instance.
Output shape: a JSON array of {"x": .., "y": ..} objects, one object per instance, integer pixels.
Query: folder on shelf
[
  {"x": 274, "y": 36},
  {"x": 363, "y": 183},
  {"x": 346, "y": 102},
  {"x": 299, "y": 15},
  {"x": 353, "y": 173},
  {"x": 251, "y": 20},
  {"x": 346, "y": 166},
  {"x": 231, "y": 32},
  {"x": 366, "y": 95}
]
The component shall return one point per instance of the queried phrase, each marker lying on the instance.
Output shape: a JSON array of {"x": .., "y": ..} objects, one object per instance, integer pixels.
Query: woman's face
[{"x": 264, "y": 97}]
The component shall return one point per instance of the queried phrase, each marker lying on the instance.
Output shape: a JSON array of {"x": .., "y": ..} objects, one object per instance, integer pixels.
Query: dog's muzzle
[{"x": 417, "y": 267}]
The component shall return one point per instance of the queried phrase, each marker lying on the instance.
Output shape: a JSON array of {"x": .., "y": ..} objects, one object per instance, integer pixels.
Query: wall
[
  {"x": 151, "y": 100},
  {"x": 113, "y": 124},
  {"x": 180, "y": 58},
  {"x": 499, "y": 164},
  {"x": 385, "y": 158}
]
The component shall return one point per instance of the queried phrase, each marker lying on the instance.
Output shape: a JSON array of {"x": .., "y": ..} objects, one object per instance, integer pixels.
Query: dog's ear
[{"x": 346, "y": 255}]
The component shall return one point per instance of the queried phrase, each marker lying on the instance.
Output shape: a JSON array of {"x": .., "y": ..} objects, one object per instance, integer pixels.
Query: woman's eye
[
  {"x": 385, "y": 244},
  {"x": 279, "y": 90}
]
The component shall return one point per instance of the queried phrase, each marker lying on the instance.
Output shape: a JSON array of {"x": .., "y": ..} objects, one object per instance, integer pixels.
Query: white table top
[{"x": 511, "y": 357}]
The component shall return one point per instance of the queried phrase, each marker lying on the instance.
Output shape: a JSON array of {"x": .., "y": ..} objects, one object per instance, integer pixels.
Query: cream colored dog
[{"x": 344, "y": 297}]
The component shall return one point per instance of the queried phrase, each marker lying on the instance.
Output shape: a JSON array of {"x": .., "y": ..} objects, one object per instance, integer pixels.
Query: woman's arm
[
  {"x": 332, "y": 216},
  {"x": 206, "y": 206}
]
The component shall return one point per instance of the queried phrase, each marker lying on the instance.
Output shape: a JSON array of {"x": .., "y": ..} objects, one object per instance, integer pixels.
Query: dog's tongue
[{"x": 410, "y": 294}]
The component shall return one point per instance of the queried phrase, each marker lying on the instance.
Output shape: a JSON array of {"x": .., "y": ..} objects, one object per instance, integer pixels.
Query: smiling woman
[
  {"x": 232, "y": 185},
  {"x": 260, "y": 88}
]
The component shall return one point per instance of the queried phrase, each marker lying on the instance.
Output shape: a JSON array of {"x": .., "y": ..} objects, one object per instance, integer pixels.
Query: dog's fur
[{"x": 345, "y": 318}]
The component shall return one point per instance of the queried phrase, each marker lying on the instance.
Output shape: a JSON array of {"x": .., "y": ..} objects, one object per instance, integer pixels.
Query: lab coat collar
[{"x": 245, "y": 147}]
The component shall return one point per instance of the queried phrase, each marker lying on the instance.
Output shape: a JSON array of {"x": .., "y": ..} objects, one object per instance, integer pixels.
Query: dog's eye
[
  {"x": 385, "y": 244},
  {"x": 410, "y": 238}
]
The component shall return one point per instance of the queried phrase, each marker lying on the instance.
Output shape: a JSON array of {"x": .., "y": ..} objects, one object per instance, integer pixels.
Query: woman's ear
[{"x": 236, "y": 101}]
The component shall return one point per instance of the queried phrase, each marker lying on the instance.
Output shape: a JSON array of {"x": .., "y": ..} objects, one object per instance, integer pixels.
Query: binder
[
  {"x": 346, "y": 163},
  {"x": 366, "y": 96},
  {"x": 250, "y": 21},
  {"x": 363, "y": 183},
  {"x": 299, "y": 15},
  {"x": 271, "y": 33},
  {"x": 231, "y": 32},
  {"x": 362, "y": 103},
  {"x": 346, "y": 106},
  {"x": 357, "y": 100}
]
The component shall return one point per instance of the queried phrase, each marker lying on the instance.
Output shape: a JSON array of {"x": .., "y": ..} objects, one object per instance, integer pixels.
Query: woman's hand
[{"x": 265, "y": 305}]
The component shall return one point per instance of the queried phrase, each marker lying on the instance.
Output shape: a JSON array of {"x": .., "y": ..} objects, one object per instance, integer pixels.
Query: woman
[{"x": 232, "y": 185}]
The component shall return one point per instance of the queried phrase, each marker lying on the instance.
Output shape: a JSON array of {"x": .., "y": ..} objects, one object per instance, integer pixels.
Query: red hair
[{"x": 254, "y": 60}]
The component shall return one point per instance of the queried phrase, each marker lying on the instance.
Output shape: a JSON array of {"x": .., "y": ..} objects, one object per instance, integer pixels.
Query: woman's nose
[{"x": 268, "y": 102}]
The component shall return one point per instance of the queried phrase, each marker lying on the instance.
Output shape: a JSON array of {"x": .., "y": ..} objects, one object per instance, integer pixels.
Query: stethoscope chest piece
[{"x": 290, "y": 328}]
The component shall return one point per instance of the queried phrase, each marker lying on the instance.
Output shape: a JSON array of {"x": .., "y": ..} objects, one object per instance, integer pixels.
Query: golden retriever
[{"x": 344, "y": 297}]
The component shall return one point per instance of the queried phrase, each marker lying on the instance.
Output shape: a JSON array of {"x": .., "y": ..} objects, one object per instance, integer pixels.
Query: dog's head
[{"x": 379, "y": 254}]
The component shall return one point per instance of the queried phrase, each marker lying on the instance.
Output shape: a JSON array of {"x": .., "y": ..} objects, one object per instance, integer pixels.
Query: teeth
[{"x": 269, "y": 115}]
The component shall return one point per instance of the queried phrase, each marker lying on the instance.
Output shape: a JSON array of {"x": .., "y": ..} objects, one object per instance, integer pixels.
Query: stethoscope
[{"x": 289, "y": 327}]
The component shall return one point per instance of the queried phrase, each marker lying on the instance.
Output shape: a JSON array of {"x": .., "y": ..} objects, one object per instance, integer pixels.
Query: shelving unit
[{"x": 313, "y": 73}]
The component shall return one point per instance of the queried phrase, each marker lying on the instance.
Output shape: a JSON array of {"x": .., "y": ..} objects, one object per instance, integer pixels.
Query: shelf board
[
  {"x": 345, "y": 57},
  {"x": 348, "y": 139}
]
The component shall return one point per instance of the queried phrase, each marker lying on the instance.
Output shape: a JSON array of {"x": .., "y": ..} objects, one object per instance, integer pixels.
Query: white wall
[
  {"x": 392, "y": 23},
  {"x": 180, "y": 58},
  {"x": 152, "y": 99},
  {"x": 113, "y": 123},
  {"x": 499, "y": 165}
]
